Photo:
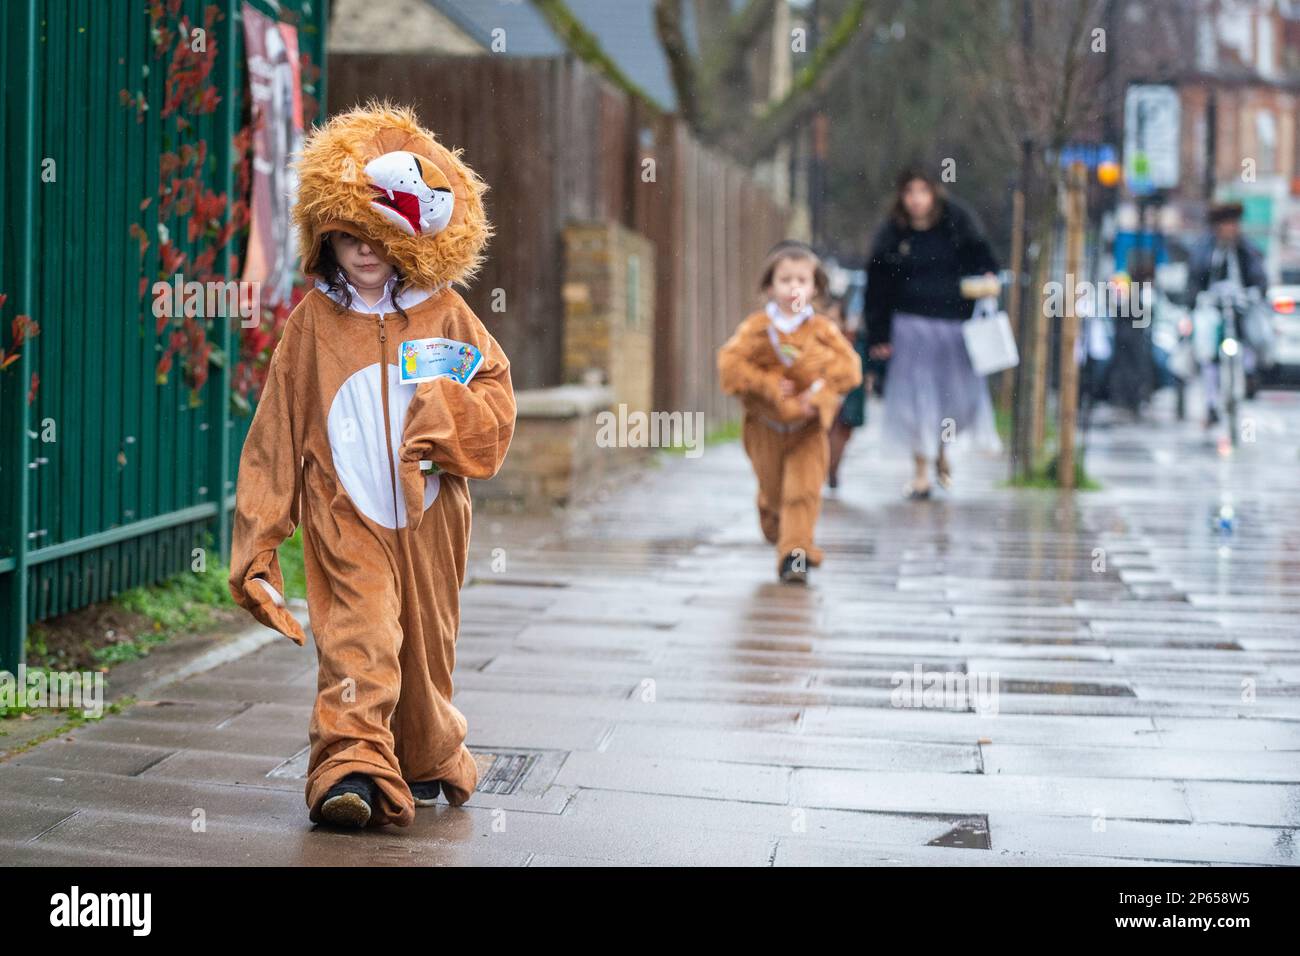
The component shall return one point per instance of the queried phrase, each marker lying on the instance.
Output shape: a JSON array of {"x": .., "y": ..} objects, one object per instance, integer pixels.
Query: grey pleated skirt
[{"x": 932, "y": 395}]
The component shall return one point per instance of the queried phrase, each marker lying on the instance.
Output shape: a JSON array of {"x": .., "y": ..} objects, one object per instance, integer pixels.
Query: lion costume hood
[{"x": 376, "y": 173}]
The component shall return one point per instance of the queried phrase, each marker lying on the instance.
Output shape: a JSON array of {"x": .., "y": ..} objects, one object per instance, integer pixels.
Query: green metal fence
[{"x": 108, "y": 479}]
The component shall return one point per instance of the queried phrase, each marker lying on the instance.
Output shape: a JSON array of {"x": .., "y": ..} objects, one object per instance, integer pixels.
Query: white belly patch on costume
[{"x": 356, "y": 431}]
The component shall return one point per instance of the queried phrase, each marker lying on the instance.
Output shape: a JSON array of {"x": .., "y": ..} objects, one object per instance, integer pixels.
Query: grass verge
[{"x": 128, "y": 626}]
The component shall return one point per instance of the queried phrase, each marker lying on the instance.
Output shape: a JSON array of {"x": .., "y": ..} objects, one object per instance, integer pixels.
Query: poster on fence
[{"x": 274, "y": 80}]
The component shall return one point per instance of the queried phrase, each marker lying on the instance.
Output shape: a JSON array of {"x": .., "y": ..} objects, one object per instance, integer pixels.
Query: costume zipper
[{"x": 388, "y": 429}]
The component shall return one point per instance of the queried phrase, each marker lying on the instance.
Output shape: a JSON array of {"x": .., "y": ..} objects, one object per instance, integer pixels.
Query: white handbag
[{"x": 989, "y": 340}]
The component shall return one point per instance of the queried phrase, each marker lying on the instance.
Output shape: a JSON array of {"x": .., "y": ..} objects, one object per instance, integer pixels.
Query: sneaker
[
  {"x": 350, "y": 801},
  {"x": 425, "y": 792},
  {"x": 791, "y": 574}
]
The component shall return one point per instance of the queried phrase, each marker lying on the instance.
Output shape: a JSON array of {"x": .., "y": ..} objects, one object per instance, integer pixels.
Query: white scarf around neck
[{"x": 787, "y": 323}]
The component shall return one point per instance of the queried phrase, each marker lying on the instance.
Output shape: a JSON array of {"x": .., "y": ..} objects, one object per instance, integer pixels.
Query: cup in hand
[{"x": 979, "y": 287}]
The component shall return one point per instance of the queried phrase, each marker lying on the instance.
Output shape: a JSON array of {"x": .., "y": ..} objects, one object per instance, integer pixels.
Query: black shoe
[
  {"x": 1212, "y": 418},
  {"x": 425, "y": 792},
  {"x": 350, "y": 801},
  {"x": 792, "y": 573},
  {"x": 913, "y": 493}
]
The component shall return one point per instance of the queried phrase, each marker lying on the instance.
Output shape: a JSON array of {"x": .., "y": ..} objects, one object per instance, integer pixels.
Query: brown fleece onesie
[
  {"x": 335, "y": 446},
  {"x": 788, "y": 452}
]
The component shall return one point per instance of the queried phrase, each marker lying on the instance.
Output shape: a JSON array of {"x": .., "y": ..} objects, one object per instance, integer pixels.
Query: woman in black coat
[{"x": 914, "y": 311}]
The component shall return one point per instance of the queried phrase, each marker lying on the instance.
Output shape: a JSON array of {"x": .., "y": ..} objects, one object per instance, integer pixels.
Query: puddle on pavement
[
  {"x": 1109, "y": 640},
  {"x": 518, "y": 582},
  {"x": 791, "y": 645},
  {"x": 1064, "y": 688}
]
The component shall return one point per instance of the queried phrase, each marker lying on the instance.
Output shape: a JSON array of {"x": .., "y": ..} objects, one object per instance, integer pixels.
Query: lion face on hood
[
  {"x": 415, "y": 201},
  {"x": 375, "y": 172}
]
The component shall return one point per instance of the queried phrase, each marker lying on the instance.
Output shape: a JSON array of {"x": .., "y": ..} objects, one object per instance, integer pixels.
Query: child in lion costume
[{"x": 374, "y": 467}]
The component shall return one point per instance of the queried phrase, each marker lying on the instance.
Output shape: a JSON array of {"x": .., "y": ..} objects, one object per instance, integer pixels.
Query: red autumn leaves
[{"x": 22, "y": 328}]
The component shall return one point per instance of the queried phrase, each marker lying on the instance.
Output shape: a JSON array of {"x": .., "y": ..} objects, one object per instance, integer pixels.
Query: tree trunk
[{"x": 1069, "y": 388}]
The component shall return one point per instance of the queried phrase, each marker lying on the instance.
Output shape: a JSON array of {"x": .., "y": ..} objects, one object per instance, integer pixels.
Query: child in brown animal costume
[
  {"x": 790, "y": 367},
  {"x": 375, "y": 469}
]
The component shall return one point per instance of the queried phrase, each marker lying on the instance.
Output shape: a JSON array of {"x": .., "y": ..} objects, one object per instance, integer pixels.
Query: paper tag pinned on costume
[
  {"x": 787, "y": 352},
  {"x": 423, "y": 360}
]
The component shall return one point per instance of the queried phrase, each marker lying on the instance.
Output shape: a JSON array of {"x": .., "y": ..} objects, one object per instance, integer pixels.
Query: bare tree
[
  {"x": 1044, "y": 78},
  {"x": 720, "y": 93}
]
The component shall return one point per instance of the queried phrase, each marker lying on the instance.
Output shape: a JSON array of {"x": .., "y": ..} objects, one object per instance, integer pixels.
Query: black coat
[
  {"x": 1131, "y": 374},
  {"x": 890, "y": 268},
  {"x": 1249, "y": 260}
]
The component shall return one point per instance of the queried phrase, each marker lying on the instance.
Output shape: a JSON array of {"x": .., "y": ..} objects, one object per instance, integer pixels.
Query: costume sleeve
[
  {"x": 740, "y": 375},
  {"x": 266, "y": 501},
  {"x": 463, "y": 429}
]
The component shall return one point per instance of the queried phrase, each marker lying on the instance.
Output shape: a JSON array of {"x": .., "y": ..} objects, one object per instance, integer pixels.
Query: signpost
[{"x": 1151, "y": 124}]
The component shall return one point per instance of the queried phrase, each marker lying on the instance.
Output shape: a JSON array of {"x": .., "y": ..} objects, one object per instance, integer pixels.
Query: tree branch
[
  {"x": 711, "y": 17},
  {"x": 681, "y": 67},
  {"x": 582, "y": 44},
  {"x": 756, "y": 140},
  {"x": 724, "y": 55},
  {"x": 1063, "y": 120}
]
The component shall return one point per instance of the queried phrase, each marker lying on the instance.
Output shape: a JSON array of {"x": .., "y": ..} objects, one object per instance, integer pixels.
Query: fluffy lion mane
[{"x": 334, "y": 193}]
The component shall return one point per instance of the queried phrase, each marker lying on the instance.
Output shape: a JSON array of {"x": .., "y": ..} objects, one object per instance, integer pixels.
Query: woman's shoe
[
  {"x": 349, "y": 802},
  {"x": 425, "y": 792},
  {"x": 913, "y": 493}
]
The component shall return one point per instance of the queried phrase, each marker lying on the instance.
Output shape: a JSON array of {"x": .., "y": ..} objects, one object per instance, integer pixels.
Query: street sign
[
  {"x": 1151, "y": 125},
  {"x": 1091, "y": 155}
]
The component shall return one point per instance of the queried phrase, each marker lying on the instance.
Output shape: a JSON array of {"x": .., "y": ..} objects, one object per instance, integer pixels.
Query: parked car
[{"x": 1284, "y": 304}]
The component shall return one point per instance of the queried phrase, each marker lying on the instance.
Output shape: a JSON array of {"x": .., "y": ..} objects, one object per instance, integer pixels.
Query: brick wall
[
  {"x": 555, "y": 457},
  {"x": 609, "y": 308}
]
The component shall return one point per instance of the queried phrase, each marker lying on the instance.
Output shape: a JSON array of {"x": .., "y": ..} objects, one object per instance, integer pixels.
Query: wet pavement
[{"x": 640, "y": 691}]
